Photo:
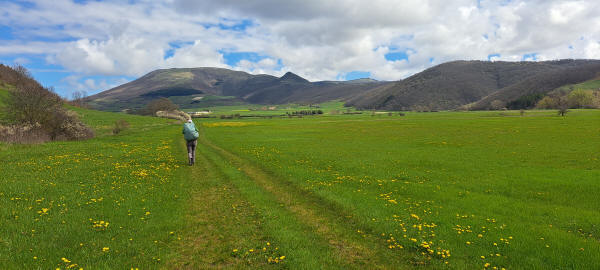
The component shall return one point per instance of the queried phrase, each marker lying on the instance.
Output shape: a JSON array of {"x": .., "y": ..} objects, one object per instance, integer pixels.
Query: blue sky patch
[
  {"x": 353, "y": 75},
  {"x": 232, "y": 58},
  {"x": 529, "y": 57},
  {"x": 232, "y": 25},
  {"x": 397, "y": 54},
  {"x": 174, "y": 46},
  {"x": 25, "y": 4},
  {"x": 6, "y": 33},
  {"x": 494, "y": 55}
]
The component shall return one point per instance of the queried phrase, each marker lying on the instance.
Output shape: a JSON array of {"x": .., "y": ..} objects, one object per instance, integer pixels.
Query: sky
[{"x": 92, "y": 46}]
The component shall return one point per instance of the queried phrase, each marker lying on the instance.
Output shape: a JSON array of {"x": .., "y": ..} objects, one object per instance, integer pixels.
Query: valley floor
[{"x": 425, "y": 190}]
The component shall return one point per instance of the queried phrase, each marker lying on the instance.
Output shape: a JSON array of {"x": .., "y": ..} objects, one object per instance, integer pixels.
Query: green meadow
[
  {"x": 273, "y": 110},
  {"x": 444, "y": 190}
]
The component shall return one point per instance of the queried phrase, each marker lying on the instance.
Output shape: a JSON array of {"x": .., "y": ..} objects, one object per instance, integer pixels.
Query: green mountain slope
[
  {"x": 541, "y": 84},
  {"x": 188, "y": 86},
  {"x": 454, "y": 84}
]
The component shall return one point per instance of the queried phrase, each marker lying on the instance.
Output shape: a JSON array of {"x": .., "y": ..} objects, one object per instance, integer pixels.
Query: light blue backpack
[{"x": 190, "y": 132}]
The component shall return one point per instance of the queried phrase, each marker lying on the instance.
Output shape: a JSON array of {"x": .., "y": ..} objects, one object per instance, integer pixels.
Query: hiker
[{"x": 190, "y": 134}]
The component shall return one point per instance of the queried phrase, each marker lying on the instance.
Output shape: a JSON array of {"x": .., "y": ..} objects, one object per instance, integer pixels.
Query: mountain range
[
  {"x": 453, "y": 85},
  {"x": 188, "y": 86}
]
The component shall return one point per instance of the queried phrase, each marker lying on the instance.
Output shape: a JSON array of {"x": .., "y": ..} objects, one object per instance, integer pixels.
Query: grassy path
[
  {"x": 308, "y": 232},
  {"x": 219, "y": 224}
]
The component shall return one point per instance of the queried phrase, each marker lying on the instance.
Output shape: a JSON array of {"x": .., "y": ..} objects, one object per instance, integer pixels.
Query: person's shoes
[{"x": 191, "y": 162}]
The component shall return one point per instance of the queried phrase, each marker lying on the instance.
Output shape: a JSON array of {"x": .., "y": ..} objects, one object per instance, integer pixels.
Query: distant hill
[
  {"x": 457, "y": 84},
  {"x": 189, "y": 86},
  {"x": 454, "y": 85},
  {"x": 536, "y": 86}
]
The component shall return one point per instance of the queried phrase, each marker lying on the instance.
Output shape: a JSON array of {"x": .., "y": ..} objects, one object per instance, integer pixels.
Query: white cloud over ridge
[{"x": 319, "y": 40}]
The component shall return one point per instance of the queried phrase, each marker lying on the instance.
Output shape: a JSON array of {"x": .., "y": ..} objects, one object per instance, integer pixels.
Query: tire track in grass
[
  {"x": 302, "y": 248},
  {"x": 218, "y": 221},
  {"x": 214, "y": 230},
  {"x": 328, "y": 221}
]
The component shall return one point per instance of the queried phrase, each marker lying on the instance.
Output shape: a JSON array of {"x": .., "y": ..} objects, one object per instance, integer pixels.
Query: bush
[
  {"x": 23, "y": 134},
  {"x": 120, "y": 125},
  {"x": 581, "y": 99},
  {"x": 30, "y": 105},
  {"x": 547, "y": 103},
  {"x": 32, "y": 110},
  {"x": 65, "y": 125}
]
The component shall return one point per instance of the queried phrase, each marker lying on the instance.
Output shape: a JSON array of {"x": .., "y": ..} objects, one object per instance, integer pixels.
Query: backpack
[{"x": 190, "y": 132}]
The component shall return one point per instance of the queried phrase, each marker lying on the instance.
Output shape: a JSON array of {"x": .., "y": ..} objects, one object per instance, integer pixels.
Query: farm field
[
  {"x": 458, "y": 189},
  {"x": 273, "y": 110},
  {"x": 449, "y": 190}
]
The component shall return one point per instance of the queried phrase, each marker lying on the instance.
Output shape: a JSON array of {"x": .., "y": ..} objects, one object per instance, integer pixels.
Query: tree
[
  {"x": 161, "y": 104},
  {"x": 581, "y": 99},
  {"x": 563, "y": 105},
  {"x": 547, "y": 102},
  {"x": 30, "y": 105},
  {"x": 497, "y": 104},
  {"x": 77, "y": 98}
]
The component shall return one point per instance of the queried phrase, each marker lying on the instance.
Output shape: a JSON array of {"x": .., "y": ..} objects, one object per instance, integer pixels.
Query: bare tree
[
  {"x": 563, "y": 105},
  {"x": 77, "y": 98}
]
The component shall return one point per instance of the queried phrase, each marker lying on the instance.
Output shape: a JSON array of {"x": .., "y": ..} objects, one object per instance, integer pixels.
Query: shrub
[
  {"x": 65, "y": 125},
  {"x": 23, "y": 134},
  {"x": 546, "y": 103},
  {"x": 30, "y": 105},
  {"x": 581, "y": 99},
  {"x": 37, "y": 114},
  {"x": 120, "y": 125}
]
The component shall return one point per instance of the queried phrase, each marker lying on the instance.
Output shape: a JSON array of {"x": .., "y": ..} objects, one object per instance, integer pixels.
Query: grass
[
  {"x": 587, "y": 85},
  {"x": 446, "y": 190},
  {"x": 274, "y": 110},
  {"x": 110, "y": 202},
  {"x": 3, "y": 95},
  {"x": 485, "y": 187}
]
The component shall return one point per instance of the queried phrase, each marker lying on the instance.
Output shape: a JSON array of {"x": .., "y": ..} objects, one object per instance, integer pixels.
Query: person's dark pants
[{"x": 191, "y": 147}]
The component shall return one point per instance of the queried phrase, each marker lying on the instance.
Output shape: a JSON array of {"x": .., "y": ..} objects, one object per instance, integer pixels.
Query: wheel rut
[{"x": 327, "y": 220}]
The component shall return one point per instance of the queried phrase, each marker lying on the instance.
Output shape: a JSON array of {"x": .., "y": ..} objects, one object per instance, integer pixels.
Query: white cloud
[
  {"x": 199, "y": 54},
  {"x": 315, "y": 39},
  {"x": 77, "y": 83}
]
